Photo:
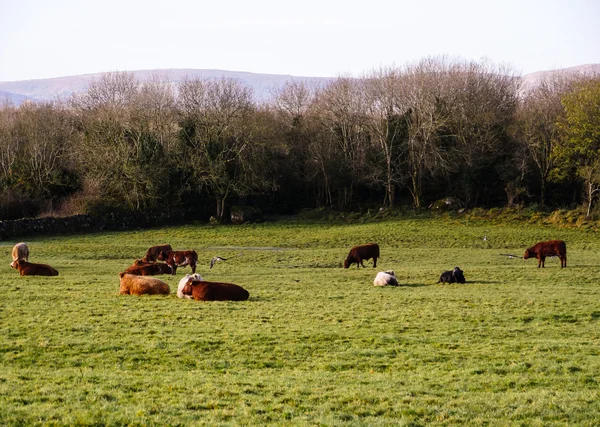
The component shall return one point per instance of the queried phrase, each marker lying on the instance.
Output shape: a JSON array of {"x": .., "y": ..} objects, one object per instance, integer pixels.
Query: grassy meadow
[{"x": 315, "y": 344}]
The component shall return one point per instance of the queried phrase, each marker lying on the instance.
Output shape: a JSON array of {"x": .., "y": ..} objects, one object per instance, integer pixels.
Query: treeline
[{"x": 399, "y": 136}]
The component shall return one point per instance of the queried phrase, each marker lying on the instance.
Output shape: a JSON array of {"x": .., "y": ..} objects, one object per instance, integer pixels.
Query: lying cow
[
  {"x": 214, "y": 291},
  {"x": 153, "y": 252},
  {"x": 31, "y": 269},
  {"x": 358, "y": 254},
  {"x": 141, "y": 268},
  {"x": 139, "y": 285},
  {"x": 452, "y": 276},
  {"x": 19, "y": 251},
  {"x": 551, "y": 248},
  {"x": 183, "y": 282},
  {"x": 385, "y": 278},
  {"x": 179, "y": 259}
]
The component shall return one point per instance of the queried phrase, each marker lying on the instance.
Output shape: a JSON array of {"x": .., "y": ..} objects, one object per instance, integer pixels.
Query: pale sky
[{"x": 322, "y": 38}]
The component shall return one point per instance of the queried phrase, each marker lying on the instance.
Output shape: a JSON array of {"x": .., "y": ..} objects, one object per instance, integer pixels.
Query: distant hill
[
  {"x": 14, "y": 98},
  {"x": 530, "y": 81},
  {"x": 62, "y": 87},
  {"x": 262, "y": 84}
]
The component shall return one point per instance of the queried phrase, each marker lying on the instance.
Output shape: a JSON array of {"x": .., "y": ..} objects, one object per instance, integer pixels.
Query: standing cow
[
  {"x": 179, "y": 259},
  {"x": 358, "y": 254},
  {"x": 551, "y": 248}
]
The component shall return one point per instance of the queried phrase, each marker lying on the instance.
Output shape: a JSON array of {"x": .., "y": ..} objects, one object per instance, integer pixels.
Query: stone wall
[{"x": 86, "y": 224}]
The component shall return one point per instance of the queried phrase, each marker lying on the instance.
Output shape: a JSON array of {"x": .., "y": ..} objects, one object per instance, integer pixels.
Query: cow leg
[
  {"x": 193, "y": 266},
  {"x": 173, "y": 269},
  {"x": 374, "y": 262},
  {"x": 361, "y": 263}
]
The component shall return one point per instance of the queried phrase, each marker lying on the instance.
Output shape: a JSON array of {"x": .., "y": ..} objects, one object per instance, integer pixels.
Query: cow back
[
  {"x": 217, "y": 291},
  {"x": 153, "y": 252},
  {"x": 549, "y": 248}
]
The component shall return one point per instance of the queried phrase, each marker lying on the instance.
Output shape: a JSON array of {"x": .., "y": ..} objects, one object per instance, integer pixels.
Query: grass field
[{"x": 315, "y": 344}]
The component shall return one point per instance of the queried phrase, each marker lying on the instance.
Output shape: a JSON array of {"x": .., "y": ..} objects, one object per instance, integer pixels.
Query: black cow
[{"x": 454, "y": 276}]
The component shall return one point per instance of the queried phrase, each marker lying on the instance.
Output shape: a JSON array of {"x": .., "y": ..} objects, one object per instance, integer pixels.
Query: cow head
[
  {"x": 187, "y": 289},
  {"x": 528, "y": 253},
  {"x": 162, "y": 256},
  {"x": 121, "y": 274},
  {"x": 346, "y": 263}
]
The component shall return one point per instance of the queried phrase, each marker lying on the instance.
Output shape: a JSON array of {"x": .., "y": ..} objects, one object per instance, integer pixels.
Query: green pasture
[{"x": 315, "y": 344}]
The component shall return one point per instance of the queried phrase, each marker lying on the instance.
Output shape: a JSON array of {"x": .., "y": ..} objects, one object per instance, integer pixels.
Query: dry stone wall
[{"x": 86, "y": 224}]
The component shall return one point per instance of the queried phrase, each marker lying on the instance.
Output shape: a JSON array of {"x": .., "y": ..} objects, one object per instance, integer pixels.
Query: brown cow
[
  {"x": 179, "y": 259},
  {"x": 153, "y": 252},
  {"x": 138, "y": 285},
  {"x": 19, "y": 251},
  {"x": 360, "y": 253},
  {"x": 141, "y": 268},
  {"x": 30, "y": 269},
  {"x": 551, "y": 248},
  {"x": 214, "y": 291}
]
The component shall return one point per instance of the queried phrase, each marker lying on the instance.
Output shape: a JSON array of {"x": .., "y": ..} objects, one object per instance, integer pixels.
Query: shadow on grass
[
  {"x": 483, "y": 282},
  {"x": 412, "y": 285}
]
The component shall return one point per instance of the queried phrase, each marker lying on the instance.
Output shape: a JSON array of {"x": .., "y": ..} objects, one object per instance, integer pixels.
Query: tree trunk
[
  {"x": 221, "y": 207},
  {"x": 543, "y": 193}
]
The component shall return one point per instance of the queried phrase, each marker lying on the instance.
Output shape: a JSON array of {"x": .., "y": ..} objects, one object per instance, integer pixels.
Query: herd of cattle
[{"x": 135, "y": 279}]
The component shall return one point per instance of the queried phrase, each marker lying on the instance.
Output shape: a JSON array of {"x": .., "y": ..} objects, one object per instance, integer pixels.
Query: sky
[{"x": 326, "y": 38}]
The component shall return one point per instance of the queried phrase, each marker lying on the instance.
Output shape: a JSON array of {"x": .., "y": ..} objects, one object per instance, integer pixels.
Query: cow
[
  {"x": 179, "y": 259},
  {"x": 139, "y": 285},
  {"x": 385, "y": 278},
  {"x": 183, "y": 282},
  {"x": 31, "y": 269},
  {"x": 153, "y": 252},
  {"x": 452, "y": 276},
  {"x": 214, "y": 291},
  {"x": 551, "y": 248},
  {"x": 360, "y": 253},
  {"x": 19, "y": 251},
  {"x": 141, "y": 268}
]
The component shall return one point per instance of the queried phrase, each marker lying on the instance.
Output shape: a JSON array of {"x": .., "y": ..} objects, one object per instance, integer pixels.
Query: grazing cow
[
  {"x": 214, "y": 291},
  {"x": 551, "y": 248},
  {"x": 385, "y": 278},
  {"x": 179, "y": 259},
  {"x": 141, "y": 268},
  {"x": 19, "y": 251},
  {"x": 138, "y": 285},
  {"x": 183, "y": 282},
  {"x": 30, "y": 269},
  {"x": 153, "y": 252},
  {"x": 452, "y": 276},
  {"x": 358, "y": 254}
]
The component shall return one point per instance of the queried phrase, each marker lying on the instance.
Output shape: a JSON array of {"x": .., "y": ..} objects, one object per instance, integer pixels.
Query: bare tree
[
  {"x": 127, "y": 128},
  {"x": 484, "y": 100},
  {"x": 215, "y": 119},
  {"x": 343, "y": 149},
  {"x": 428, "y": 113},
  {"x": 538, "y": 115},
  {"x": 388, "y": 124}
]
